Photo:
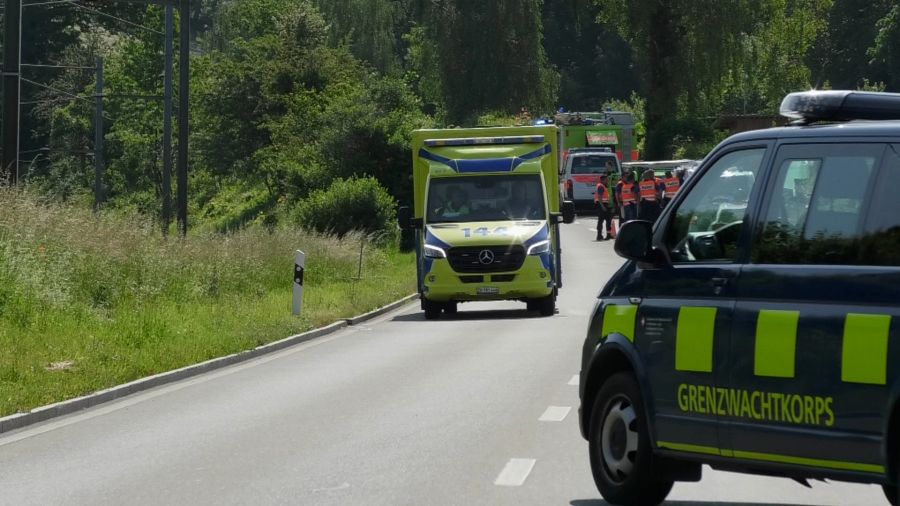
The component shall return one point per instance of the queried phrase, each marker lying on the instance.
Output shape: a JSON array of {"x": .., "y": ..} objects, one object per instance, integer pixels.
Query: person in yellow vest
[
  {"x": 604, "y": 209},
  {"x": 648, "y": 197},
  {"x": 673, "y": 184}
]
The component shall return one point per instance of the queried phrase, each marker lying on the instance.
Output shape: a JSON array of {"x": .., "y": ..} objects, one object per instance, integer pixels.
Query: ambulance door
[
  {"x": 685, "y": 315},
  {"x": 809, "y": 352}
]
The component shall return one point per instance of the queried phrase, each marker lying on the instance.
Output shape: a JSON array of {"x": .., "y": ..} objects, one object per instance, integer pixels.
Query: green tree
[
  {"x": 886, "y": 51},
  {"x": 369, "y": 27},
  {"x": 840, "y": 57},
  {"x": 594, "y": 61},
  {"x": 491, "y": 57}
]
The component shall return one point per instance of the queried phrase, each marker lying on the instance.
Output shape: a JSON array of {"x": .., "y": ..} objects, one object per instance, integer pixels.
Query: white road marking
[
  {"x": 574, "y": 381},
  {"x": 555, "y": 414},
  {"x": 515, "y": 472},
  {"x": 592, "y": 229}
]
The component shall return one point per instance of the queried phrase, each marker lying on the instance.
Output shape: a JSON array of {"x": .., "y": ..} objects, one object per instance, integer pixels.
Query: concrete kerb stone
[
  {"x": 44, "y": 413},
  {"x": 356, "y": 320}
]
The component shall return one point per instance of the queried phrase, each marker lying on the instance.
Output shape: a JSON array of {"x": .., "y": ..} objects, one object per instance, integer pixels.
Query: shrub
[{"x": 354, "y": 204}]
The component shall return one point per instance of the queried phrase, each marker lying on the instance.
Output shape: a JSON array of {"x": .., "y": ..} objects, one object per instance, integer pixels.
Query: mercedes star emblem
[{"x": 486, "y": 257}]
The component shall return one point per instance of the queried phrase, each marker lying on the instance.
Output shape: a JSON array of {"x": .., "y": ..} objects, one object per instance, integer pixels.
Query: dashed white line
[
  {"x": 574, "y": 381},
  {"x": 515, "y": 472},
  {"x": 555, "y": 414}
]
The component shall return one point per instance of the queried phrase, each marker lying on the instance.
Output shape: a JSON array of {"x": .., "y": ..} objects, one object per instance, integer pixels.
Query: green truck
[
  {"x": 607, "y": 129},
  {"x": 486, "y": 217}
]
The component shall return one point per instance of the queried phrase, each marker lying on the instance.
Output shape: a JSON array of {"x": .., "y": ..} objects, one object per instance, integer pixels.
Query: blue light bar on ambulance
[
  {"x": 837, "y": 105},
  {"x": 478, "y": 141}
]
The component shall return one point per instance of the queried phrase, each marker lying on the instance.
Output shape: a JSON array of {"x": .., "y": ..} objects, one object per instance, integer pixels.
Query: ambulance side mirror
[{"x": 405, "y": 220}]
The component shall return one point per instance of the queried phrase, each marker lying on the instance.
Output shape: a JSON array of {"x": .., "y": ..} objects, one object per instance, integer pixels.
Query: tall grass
[{"x": 87, "y": 302}]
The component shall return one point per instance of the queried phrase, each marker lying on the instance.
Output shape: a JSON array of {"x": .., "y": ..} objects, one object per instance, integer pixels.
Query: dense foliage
[{"x": 293, "y": 100}]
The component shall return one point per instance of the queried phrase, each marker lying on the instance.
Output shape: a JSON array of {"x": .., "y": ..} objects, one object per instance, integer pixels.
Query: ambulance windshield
[{"x": 486, "y": 198}]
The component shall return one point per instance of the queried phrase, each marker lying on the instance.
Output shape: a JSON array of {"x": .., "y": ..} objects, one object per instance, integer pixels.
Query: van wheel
[
  {"x": 432, "y": 309},
  {"x": 450, "y": 308},
  {"x": 890, "y": 491},
  {"x": 625, "y": 470}
]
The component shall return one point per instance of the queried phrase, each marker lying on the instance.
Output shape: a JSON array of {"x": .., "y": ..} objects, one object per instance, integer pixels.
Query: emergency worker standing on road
[
  {"x": 648, "y": 196},
  {"x": 672, "y": 184},
  {"x": 604, "y": 209},
  {"x": 626, "y": 197}
]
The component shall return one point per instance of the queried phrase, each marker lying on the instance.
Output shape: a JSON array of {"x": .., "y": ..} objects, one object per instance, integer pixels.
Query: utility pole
[
  {"x": 167, "y": 124},
  {"x": 183, "y": 104},
  {"x": 98, "y": 138},
  {"x": 12, "y": 41}
]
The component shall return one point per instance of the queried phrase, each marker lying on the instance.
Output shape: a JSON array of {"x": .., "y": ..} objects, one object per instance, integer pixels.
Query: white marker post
[{"x": 299, "y": 267}]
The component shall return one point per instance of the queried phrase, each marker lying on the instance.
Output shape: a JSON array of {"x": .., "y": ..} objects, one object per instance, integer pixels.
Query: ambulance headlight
[
  {"x": 539, "y": 248},
  {"x": 434, "y": 252}
]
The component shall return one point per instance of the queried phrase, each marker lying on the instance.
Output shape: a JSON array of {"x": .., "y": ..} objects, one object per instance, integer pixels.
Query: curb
[{"x": 43, "y": 413}]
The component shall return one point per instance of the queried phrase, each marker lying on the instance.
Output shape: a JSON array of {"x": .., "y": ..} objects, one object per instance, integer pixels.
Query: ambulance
[{"x": 486, "y": 216}]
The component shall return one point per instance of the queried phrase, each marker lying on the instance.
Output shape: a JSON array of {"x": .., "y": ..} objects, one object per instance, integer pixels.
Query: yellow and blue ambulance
[
  {"x": 756, "y": 325},
  {"x": 486, "y": 215}
]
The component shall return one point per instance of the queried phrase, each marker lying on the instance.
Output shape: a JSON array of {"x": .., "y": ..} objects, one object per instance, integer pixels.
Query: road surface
[{"x": 477, "y": 409}]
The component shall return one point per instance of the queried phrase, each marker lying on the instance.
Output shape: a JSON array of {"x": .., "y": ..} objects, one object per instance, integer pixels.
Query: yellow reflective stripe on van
[
  {"x": 776, "y": 343},
  {"x": 865, "y": 348},
  {"x": 619, "y": 319},
  {"x": 694, "y": 339},
  {"x": 771, "y": 457}
]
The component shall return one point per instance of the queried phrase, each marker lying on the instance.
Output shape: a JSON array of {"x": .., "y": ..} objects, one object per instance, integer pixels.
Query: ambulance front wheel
[
  {"x": 546, "y": 306},
  {"x": 432, "y": 309},
  {"x": 450, "y": 308},
  {"x": 625, "y": 470}
]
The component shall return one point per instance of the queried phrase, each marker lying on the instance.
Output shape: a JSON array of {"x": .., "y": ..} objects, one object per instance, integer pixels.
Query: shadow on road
[
  {"x": 600, "y": 502},
  {"x": 494, "y": 314}
]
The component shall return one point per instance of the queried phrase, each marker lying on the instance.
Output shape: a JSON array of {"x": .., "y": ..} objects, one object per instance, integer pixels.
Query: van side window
[
  {"x": 816, "y": 207},
  {"x": 881, "y": 242},
  {"x": 708, "y": 222}
]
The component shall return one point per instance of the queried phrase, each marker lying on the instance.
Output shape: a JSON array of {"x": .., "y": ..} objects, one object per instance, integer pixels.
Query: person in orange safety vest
[
  {"x": 604, "y": 209},
  {"x": 672, "y": 185},
  {"x": 626, "y": 196},
  {"x": 649, "y": 196}
]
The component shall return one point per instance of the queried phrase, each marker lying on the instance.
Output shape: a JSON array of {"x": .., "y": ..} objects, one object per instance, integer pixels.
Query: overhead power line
[{"x": 61, "y": 92}]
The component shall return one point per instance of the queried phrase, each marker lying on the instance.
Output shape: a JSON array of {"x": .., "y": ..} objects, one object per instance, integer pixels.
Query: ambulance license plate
[{"x": 487, "y": 290}]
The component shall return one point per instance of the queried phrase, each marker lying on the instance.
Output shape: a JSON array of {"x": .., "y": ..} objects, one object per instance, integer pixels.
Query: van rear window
[{"x": 593, "y": 164}]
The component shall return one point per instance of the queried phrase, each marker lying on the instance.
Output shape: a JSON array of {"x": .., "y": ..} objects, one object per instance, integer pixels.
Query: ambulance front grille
[{"x": 478, "y": 259}]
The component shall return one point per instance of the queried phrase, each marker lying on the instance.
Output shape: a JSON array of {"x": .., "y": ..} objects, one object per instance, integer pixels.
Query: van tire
[
  {"x": 890, "y": 491},
  {"x": 625, "y": 469},
  {"x": 432, "y": 309},
  {"x": 450, "y": 308}
]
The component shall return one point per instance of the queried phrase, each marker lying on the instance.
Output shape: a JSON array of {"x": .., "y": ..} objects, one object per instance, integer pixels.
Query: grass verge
[{"x": 89, "y": 302}]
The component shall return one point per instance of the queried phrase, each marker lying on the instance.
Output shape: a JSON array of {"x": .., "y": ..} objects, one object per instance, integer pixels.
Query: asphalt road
[{"x": 478, "y": 409}]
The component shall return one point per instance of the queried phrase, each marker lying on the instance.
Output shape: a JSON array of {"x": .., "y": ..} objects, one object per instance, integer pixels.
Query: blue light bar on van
[
  {"x": 841, "y": 105},
  {"x": 477, "y": 141}
]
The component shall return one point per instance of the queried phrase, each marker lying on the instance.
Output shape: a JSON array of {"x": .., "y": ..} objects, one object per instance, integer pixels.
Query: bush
[{"x": 354, "y": 204}]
